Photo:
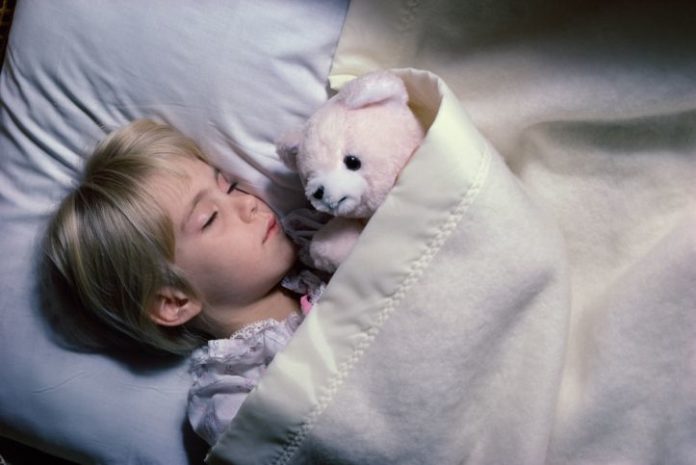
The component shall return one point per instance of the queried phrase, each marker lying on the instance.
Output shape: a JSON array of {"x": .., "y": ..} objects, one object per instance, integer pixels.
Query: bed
[{"x": 525, "y": 295}]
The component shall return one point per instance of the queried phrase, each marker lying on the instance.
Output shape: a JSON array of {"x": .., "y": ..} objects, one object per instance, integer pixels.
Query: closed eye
[
  {"x": 222, "y": 181},
  {"x": 210, "y": 221}
]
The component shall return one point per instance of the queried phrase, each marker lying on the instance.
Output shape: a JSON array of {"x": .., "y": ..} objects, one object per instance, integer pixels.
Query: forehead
[
  {"x": 179, "y": 165},
  {"x": 177, "y": 180},
  {"x": 177, "y": 170}
]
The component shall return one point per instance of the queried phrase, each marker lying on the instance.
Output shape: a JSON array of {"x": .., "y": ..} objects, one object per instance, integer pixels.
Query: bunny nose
[{"x": 319, "y": 193}]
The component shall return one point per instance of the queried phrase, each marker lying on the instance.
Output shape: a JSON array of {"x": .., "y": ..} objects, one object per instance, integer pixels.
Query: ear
[
  {"x": 172, "y": 307},
  {"x": 288, "y": 146},
  {"x": 373, "y": 88}
]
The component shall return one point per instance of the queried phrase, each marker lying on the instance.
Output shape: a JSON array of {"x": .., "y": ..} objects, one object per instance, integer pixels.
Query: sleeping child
[{"x": 156, "y": 248}]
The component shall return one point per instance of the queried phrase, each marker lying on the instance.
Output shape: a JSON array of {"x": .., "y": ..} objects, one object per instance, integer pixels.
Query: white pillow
[{"x": 231, "y": 74}]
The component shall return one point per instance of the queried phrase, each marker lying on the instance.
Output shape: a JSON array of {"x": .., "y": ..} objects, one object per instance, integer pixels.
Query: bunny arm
[{"x": 334, "y": 242}]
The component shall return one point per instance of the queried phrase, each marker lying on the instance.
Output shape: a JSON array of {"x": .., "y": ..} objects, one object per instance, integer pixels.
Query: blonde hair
[{"x": 110, "y": 246}]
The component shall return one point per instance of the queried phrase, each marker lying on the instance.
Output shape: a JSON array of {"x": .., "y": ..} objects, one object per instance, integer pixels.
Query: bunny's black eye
[{"x": 352, "y": 162}]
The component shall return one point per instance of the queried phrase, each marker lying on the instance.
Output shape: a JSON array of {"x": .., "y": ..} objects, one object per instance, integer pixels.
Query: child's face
[{"x": 229, "y": 243}]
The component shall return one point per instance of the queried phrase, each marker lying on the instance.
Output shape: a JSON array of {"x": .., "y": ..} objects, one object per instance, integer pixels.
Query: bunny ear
[
  {"x": 371, "y": 88},
  {"x": 288, "y": 146}
]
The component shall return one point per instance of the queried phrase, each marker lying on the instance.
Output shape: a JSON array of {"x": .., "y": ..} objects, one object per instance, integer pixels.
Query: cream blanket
[{"x": 537, "y": 307}]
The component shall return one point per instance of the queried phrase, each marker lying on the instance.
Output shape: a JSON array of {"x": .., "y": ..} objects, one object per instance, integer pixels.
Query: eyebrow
[{"x": 195, "y": 201}]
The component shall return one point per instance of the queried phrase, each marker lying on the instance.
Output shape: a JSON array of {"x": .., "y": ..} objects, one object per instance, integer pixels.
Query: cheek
[
  {"x": 223, "y": 275},
  {"x": 204, "y": 262}
]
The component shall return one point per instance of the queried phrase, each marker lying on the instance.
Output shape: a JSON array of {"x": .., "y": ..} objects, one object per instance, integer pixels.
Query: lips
[{"x": 271, "y": 228}]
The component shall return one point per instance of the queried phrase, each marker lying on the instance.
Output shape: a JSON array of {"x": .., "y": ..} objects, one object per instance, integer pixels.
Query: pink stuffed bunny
[{"x": 349, "y": 154}]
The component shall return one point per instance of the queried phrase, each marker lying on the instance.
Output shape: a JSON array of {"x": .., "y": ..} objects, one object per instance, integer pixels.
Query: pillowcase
[{"x": 233, "y": 75}]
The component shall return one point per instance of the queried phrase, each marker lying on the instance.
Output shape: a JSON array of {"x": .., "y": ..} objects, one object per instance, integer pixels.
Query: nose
[
  {"x": 247, "y": 206},
  {"x": 319, "y": 193}
]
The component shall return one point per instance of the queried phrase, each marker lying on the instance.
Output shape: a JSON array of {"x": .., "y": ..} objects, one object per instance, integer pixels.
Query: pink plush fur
[{"x": 349, "y": 154}]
